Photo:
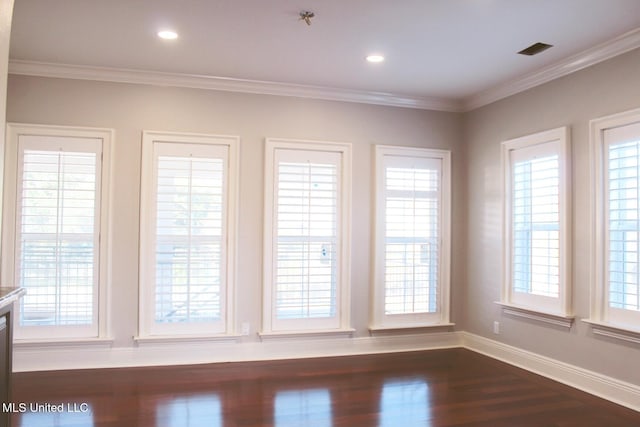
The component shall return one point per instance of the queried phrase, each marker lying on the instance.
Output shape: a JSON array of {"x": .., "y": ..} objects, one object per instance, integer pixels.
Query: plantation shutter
[
  {"x": 57, "y": 231},
  {"x": 536, "y": 223},
  {"x": 412, "y": 206},
  {"x": 306, "y": 248},
  {"x": 623, "y": 220},
  {"x": 190, "y": 223}
]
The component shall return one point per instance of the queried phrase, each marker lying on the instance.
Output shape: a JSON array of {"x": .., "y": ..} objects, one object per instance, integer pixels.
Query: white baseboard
[
  {"x": 614, "y": 390},
  {"x": 79, "y": 356}
]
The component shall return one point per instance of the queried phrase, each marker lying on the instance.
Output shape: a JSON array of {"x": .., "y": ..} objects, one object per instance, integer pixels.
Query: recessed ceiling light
[
  {"x": 375, "y": 58},
  {"x": 167, "y": 35}
]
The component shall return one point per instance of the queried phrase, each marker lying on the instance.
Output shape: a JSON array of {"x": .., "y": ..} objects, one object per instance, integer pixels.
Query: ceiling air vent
[{"x": 535, "y": 49}]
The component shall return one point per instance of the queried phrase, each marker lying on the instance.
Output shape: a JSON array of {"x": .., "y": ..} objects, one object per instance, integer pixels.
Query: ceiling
[{"x": 438, "y": 52}]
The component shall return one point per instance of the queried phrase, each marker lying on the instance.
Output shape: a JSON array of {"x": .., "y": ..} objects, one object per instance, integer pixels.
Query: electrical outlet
[
  {"x": 246, "y": 328},
  {"x": 496, "y": 327}
]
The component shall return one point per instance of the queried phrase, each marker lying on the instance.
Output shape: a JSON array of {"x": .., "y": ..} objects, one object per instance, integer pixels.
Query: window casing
[
  {"x": 307, "y": 239},
  {"x": 412, "y": 237},
  {"x": 536, "y": 229},
  {"x": 187, "y": 234},
  {"x": 55, "y": 235},
  {"x": 615, "y": 288}
]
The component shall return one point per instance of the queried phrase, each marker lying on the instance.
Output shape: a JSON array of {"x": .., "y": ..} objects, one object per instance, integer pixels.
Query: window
[
  {"x": 187, "y": 234},
  {"x": 56, "y": 229},
  {"x": 306, "y": 254},
  {"x": 536, "y": 212},
  {"x": 411, "y": 237},
  {"x": 615, "y": 288}
]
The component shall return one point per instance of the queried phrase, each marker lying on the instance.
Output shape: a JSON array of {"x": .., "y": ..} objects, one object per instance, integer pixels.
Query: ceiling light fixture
[
  {"x": 375, "y": 58},
  {"x": 167, "y": 35},
  {"x": 306, "y": 16}
]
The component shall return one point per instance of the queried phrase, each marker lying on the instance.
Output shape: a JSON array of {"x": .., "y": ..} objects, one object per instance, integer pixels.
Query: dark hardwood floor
[{"x": 454, "y": 387}]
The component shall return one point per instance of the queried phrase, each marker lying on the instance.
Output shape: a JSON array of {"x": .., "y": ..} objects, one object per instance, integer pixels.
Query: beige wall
[
  {"x": 6, "y": 13},
  {"x": 129, "y": 109},
  {"x": 604, "y": 89},
  {"x": 474, "y": 139}
]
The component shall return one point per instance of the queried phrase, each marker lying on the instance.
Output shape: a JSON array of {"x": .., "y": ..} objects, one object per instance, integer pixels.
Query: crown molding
[
  {"x": 607, "y": 50},
  {"x": 80, "y": 72},
  {"x": 617, "y": 46}
]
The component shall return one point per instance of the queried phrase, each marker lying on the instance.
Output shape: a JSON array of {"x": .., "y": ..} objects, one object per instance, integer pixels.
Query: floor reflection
[
  {"x": 309, "y": 408},
  {"x": 404, "y": 403},
  {"x": 190, "y": 411},
  {"x": 54, "y": 415}
]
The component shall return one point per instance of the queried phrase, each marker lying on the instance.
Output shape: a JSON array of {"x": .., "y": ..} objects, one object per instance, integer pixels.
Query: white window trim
[
  {"x": 547, "y": 307},
  {"x": 14, "y": 130},
  {"x": 147, "y": 236},
  {"x": 599, "y": 319},
  {"x": 565, "y": 321},
  {"x": 441, "y": 317},
  {"x": 343, "y": 232}
]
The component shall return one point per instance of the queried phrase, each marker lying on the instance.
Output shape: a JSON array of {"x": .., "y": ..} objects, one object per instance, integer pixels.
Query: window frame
[
  {"x": 147, "y": 328},
  {"x": 441, "y": 317},
  {"x": 559, "y": 309},
  {"x": 302, "y": 326},
  {"x": 99, "y": 330},
  {"x": 603, "y": 318}
]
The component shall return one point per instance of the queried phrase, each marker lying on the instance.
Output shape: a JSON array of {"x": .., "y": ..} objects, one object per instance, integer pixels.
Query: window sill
[
  {"x": 392, "y": 328},
  {"x": 327, "y": 333},
  {"x": 168, "y": 339},
  {"x": 623, "y": 333},
  {"x": 537, "y": 315},
  {"x": 63, "y": 342}
]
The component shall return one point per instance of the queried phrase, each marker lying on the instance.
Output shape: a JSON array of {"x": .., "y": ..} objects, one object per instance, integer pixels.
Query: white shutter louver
[
  {"x": 536, "y": 225},
  {"x": 57, "y": 235},
  {"x": 306, "y": 227},
  {"x": 623, "y": 225},
  {"x": 411, "y": 251},
  {"x": 189, "y": 233}
]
